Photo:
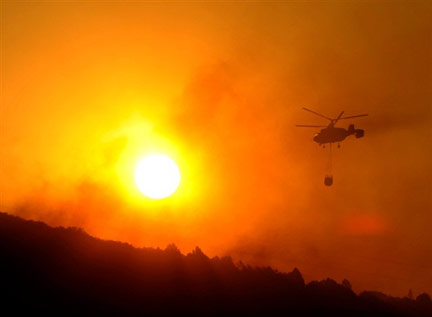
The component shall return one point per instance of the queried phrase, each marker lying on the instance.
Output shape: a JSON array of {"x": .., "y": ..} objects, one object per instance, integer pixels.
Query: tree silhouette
[
  {"x": 64, "y": 270},
  {"x": 347, "y": 284},
  {"x": 410, "y": 294}
]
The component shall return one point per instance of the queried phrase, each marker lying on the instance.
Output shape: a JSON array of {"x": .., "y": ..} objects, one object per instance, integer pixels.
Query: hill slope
[{"x": 55, "y": 270}]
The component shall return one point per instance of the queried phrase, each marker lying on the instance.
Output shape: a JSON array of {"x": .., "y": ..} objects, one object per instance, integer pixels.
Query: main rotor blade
[
  {"x": 318, "y": 114},
  {"x": 337, "y": 119},
  {"x": 310, "y": 126},
  {"x": 359, "y": 115}
]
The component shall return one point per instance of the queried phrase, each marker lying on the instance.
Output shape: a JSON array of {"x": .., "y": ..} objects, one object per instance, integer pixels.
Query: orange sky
[{"x": 89, "y": 88}]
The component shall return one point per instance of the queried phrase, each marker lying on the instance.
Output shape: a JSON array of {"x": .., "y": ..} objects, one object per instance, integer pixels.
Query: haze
[{"x": 89, "y": 88}]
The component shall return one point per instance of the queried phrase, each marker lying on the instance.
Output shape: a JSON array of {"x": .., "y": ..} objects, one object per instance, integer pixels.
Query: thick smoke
[{"x": 220, "y": 87}]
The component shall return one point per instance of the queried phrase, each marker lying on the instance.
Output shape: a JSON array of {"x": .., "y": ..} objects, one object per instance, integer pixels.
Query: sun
[{"x": 157, "y": 176}]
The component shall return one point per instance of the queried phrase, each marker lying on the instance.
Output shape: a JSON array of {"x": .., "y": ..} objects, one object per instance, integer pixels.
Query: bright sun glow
[{"x": 157, "y": 176}]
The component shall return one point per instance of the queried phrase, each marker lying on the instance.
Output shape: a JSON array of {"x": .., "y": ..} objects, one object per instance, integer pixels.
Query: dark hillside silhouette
[{"x": 64, "y": 270}]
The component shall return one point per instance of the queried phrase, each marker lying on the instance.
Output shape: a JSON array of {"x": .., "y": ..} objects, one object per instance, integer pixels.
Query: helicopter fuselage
[{"x": 333, "y": 135}]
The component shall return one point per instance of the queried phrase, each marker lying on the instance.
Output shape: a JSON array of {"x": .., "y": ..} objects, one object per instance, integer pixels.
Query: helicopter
[{"x": 330, "y": 134}]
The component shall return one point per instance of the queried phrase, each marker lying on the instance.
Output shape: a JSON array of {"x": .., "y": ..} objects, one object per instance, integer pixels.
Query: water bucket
[{"x": 328, "y": 180}]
